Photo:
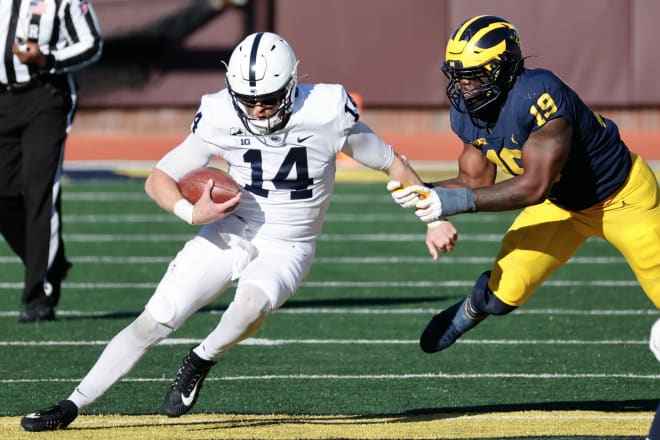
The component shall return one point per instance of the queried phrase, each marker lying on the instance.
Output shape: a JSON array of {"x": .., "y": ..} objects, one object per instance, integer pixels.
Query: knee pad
[
  {"x": 162, "y": 310},
  {"x": 484, "y": 301},
  {"x": 146, "y": 329},
  {"x": 244, "y": 316},
  {"x": 252, "y": 301}
]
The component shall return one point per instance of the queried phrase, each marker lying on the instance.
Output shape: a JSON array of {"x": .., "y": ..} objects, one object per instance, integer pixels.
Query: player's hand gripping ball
[{"x": 192, "y": 184}]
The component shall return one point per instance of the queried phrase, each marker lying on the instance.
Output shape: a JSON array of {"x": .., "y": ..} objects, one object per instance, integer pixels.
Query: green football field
[{"x": 341, "y": 358}]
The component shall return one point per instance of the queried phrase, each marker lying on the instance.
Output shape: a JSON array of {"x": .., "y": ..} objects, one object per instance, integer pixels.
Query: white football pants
[{"x": 268, "y": 271}]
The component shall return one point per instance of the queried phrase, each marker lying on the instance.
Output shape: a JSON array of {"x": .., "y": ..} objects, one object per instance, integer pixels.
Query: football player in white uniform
[{"x": 280, "y": 140}]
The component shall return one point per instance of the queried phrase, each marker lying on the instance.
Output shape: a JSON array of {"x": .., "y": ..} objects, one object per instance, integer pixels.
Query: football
[{"x": 192, "y": 184}]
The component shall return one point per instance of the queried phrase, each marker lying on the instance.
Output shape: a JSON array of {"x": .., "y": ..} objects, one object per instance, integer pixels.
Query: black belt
[{"x": 16, "y": 88}]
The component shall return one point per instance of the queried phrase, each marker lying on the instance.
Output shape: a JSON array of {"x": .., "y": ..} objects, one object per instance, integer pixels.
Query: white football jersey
[{"x": 288, "y": 176}]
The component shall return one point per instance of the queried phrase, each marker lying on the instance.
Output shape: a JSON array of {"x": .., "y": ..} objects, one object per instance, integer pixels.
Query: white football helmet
[{"x": 263, "y": 68}]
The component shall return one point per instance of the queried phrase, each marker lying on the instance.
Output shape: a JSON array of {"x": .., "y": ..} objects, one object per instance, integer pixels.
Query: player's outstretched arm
[
  {"x": 543, "y": 156},
  {"x": 370, "y": 150},
  {"x": 365, "y": 146},
  {"x": 401, "y": 171}
]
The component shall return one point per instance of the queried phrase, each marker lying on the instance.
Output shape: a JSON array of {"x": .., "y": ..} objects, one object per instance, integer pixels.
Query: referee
[{"x": 42, "y": 42}]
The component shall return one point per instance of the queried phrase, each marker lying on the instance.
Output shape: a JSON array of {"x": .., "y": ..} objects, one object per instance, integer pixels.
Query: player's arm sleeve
[
  {"x": 190, "y": 154},
  {"x": 365, "y": 146},
  {"x": 82, "y": 43}
]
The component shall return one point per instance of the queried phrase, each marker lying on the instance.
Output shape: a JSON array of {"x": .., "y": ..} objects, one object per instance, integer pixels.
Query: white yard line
[
  {"x": 287, "y": 310},
  {"x": 279, "y": 342},
  {"x": 109, "y": 259},
  {"x": 437, "y": 375},
  {"x": 329, "y": 218},
  {"x": 351, "y": 284}
]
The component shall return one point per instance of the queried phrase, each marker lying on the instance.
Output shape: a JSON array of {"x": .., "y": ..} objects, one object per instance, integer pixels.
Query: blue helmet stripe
[{"x": 253, "y": 59}]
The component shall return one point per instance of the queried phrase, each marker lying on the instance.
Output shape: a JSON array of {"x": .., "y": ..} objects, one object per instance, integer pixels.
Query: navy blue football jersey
[{"x": 599, "y": 161}]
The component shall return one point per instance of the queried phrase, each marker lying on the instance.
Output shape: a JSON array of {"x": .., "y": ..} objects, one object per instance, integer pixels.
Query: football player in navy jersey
[{"x": 572, "y": 175}]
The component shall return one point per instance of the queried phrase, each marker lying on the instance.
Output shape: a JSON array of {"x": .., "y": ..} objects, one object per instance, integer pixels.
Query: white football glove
[
  {"x": 429, "y": 207},
  {"x": 409, "y": 196},
  {"x": 654, "y": 343}
]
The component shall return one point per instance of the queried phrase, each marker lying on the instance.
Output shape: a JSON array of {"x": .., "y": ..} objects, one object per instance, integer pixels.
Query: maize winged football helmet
[
  {"x": 263, "y": 68},
  {"x": 486, "y": 49}
]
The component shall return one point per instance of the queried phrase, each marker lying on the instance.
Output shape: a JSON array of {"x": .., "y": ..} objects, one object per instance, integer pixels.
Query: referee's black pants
[{"x": 33, "y": 127}]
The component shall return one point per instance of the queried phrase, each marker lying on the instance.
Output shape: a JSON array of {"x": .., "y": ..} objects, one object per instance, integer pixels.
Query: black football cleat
[
  {"x": 447, "y": 326},
  {"x": 37, "y": 310},
  {"x": 184, "y": 391},
  {"x": 43, "y": 308},
  {"x": 50, "y": 419}
]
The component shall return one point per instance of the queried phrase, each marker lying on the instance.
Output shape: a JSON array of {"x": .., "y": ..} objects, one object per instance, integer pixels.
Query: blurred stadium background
[{"x": 160, "y": 56}]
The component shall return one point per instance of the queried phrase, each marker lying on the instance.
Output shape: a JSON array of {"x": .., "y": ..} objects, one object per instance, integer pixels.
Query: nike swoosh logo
[
  {"x": 304, "y": 138},
  {"x": 188, "y": 400}
]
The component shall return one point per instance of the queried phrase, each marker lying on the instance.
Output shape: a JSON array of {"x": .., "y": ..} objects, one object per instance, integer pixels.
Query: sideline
[{"x": 440, "y": 426}]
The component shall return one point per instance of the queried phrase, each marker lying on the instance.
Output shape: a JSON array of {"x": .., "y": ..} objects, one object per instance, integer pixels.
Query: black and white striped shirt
[{"x": 67, "y": 32}]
